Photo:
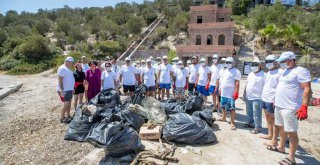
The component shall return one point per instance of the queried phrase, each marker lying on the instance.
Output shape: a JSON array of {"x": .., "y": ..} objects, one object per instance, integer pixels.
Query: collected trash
[
  {"x": 139, "y": 94},
  {"x": 124, "y": 160},
  {"x": 172, "y": 107},
  {"x": 184, "y": 128},
  {"x": 150, "y": 134},
  {"x": 194, "y": 102},
  {"x": 132, "y": 118},
  {"x": 155, "y": 114},
  {"x": 205, "y": 115},
  {"x": 108, "y": 97}
]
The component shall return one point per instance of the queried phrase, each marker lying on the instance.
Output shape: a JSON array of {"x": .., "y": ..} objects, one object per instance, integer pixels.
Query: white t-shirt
[
  {"x": 255, "y": 82},
  {"x": 228, "y": 78},
  {"x": 181, "y": 77},
  {"x": 85, "y": 67},
  {"x": 289, "y": 92},
  {"x": 193, "y": 69},
  {"x": 141, "y": 69},
  {"x": 116, "y": 70},
  {"x": 203, "y": 75},
  {"x": 149, "y": 76},
  {"x": 103, "y": 66},
  {"x": 271, "y": 80},
  {"x": 68, "y": 79},
  {"x": 214, "y": 75},
  {"x": 108, "y": 79},
  {"x": 165, "y": 73},
  {"x": 128, "y": 75}
]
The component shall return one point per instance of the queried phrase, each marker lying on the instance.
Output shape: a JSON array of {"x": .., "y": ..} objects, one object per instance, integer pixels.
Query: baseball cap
[
  {"x": 215, "y": 56},
  {"x": 128, "y": 59},
  {"x": 194, "y": 57},
  {"x": 164, "y": 57},
  {"x": 230, "y": 59},
  {"x": 223, "y": 59},
  {"x": 143, "y": 61},
  {"x": 138, "y": 62},
  {"x": 107, "y": 58},
  {"x": 256, "y": 60},
  {"x": 158, "y": 58},
  {"x": 286, "y": 56},
  {"x": 271, "y": 57},
  {"x": 188, "y": 62},
  {"x": 176, "y": 59},
  {"x": 69, "y": 59},
  {"x": 148, "y": 60},
  {"x": 134, "y": 64},
  {"x": 203, "y": 60},
  {"x": 180, "y": 62}
]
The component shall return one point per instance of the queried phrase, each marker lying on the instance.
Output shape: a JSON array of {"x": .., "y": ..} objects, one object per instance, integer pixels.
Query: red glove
[
  {"x": 302, "y": 113},
  {"x": 207, "y": 87},
  {"x": 174, "y": 86},
  {"x": 235, "y": 95},
  {"x": 186, "y": 87}
]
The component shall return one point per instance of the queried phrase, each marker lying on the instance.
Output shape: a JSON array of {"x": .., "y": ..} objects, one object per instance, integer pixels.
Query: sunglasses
[
  {"x": 228, "y": 62},
  {"x": 269, "y": 61},
  {"x": 255, "y": 64}
]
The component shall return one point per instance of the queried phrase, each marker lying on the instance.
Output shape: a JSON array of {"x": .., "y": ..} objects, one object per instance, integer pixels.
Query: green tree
[
  {"x": 172, "y": 54},
  {"x": 35, "y": 48},
  {"x": 106, "y": 48},
  {"x": 43, "y": 26},
  {"x": 293, "y": 35},
  {"x": 185, "y": 4},
  {"x": 63, "y": 25},
  {"x": 3, "y": 36},
  {"x": 10, "y": 17},
  {"x": 135, "y": 24},
  {"x": 239, "y": 7}
]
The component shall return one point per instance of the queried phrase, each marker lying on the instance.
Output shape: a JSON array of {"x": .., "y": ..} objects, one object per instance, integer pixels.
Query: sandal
[
  {"x": 222, "y": 120},
  {"x": 233, "y": 127},
  {"x": 275, "y": 149},
  {"x": 255, "y": 131},
  {"x": 287, "y": 161},
  {"x": 248, "y": 126}
]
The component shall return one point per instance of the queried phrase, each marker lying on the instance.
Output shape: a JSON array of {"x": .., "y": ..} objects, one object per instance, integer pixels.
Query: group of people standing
[{"x": 282, "y": 92}]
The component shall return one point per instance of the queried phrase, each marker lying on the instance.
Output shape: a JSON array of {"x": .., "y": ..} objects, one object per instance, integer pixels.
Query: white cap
[
  {"x": 143, "y": 61},
  {"x": 175, "y": 59},
  {"x": 128, "y": 59},
  {"x": 230, "y": 59},
  {"x": 188, "y": 62},
  {"x": 150, "y": 57},
  {"x": 287, "y": 56},
  {"x": 203, "y": 60},
  {"x": 271, "y": 57},
  {"x": 149, "y": 60},
  {"x": 180, "y": 62},
  {"x": 158, "y": 58},
  {"x": 134, "y": 64},
  {"x": 69, "y": 59},
  {"x": 215, "y": 56},
  {"x": 164, "y": 57},
  {"x": 256, "y": 60},
  {"x": 138, "y": 62},
  {"x": 223, "y": 59}
]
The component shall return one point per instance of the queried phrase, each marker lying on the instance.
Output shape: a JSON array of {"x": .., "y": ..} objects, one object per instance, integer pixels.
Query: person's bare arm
[
  {"x": 120, "y": 78},
  {"x": 159, "y": 76},
  {"x": 237, "y": 85},
  {"x": 197, "y": 78},
  {"x": 102, "y": 81},
  {"x": 209, "y": 78},
  {"x": 60, "y": 82},
  {"x": 306, "y": 92},
  {"x": 142, "y": 78}
]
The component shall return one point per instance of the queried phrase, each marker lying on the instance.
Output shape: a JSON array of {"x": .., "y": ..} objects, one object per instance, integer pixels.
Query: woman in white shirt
[
  {"x": 108, "y": 78},
  {"x": 180, "y": 79},
  {"x": 149, "y": 78}
]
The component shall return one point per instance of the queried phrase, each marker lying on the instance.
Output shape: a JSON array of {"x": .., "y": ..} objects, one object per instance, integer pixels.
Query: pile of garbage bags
[{"x": 108, "y": 123}]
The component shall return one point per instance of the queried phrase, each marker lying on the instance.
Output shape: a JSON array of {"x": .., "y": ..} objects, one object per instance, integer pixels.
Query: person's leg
[
  {"x": 63, "y": 110},
  {"x": 75, "y": 102},
  {"x": 80, "y": 98},
  {"x": 223, "y": 107},
  {"x": 257, "y": 115},
  {"x": 249, "y": 112},
  {"x": 168, "y": 92},
  {"x": 270, "y": 127},
  {"x": 283, "y": 136},
  {"x": 294, "y": 141},
  {"x": 214, "y": 100},
  {"x": 162, "y": 93},
  {"x": 232, "y": 119},
  {"x": 68, "y": 108},
  {"x": 205, "y": 100}
]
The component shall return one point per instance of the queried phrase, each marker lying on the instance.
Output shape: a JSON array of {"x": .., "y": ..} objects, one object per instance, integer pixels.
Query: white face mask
[
  {"x": 223, "y": 65},
  {"x": 159, "y": 62},
  {"x": 229, "y": 66},
  {"x": 202, "y": 64},
  {"x": 215, "y": 61},
  {"x": 255, "y": 69},
  {"x": 108, "y": 69},
  {"x": 143, "y": 65},
  {"x": 269, "y": 65},
  {"x": 284, "y": 66}
]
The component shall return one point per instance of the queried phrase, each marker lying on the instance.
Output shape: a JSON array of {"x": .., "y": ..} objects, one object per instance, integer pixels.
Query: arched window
[
  {"x": 198, "y": 40},
  {"x": 221, "y": 39},
  {"x": 209, "y": 39}
]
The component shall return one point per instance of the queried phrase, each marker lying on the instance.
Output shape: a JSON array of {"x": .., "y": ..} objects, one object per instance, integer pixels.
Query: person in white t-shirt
[
  {"x": 180, "y": 79},
  {"x": 188, "y": 65},
  {"x": 174, "y": 67},
  {"x": 108, "y": 77},
  {"x": 253, "y": 92},
  {"x": 65, "y": 87},
  {"x": 271, "y": 81},
  {"x": 193, "y": 71},
  {"x": 128, "y": 76},
  {"x": 229, "y": 81},
  {"x": 103, "y": 64},
  {"x": 213, "y": 82},
  {"x": 203, "y": 79},
  {"x": 158, "y": 91},
  {"x": 85, "y": 68},
  {"x": 221, "y": 66},
  {"x": 149, "y": 78},
  {"x": 164, "y": 77},
  {"x": 116, "y": 70},
  {"x": 291, "y": 103}
]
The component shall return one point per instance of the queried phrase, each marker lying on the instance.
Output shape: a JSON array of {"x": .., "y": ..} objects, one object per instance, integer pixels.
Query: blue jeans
[{"x": 254, "y": 113}]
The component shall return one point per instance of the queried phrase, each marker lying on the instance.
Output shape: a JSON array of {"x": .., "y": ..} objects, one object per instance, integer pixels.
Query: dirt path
[{"x": 31, "y": 133}]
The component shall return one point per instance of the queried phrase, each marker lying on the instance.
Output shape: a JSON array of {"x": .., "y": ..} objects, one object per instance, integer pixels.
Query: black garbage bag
[
  {"x": 194, "y": 102},
  {"x": 205, "y": 115},
  {"x": 184, "y": 128},
  {"x": 124, "y": 160},
  {"x": 79, "y": 127},
  {"x": 139, "y": 94},
  {"x": 108, "y": 97},
  {"x": 171, "y": 106},
  {"x": 132, "y": 119},
  {"x": 121, "y": 140}
]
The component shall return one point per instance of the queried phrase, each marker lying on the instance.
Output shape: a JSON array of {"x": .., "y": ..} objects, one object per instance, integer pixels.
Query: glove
[
  {"x": 186, "y": 87},
  {"x": 235, "y": 95},
  {"x": 302, "y": 113},
  {"x": 207, "y": 87}
]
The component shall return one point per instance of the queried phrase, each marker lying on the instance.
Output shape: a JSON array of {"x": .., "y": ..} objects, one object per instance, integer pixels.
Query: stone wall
[{"x": 227, "y": 32}]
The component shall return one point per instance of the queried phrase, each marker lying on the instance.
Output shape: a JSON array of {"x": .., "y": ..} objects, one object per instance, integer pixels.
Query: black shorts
[
  {"x": 191, "y": 87},
  {"x": 67, "y": 97},
  {"x": 79, "y": 89},
  {"x": 151, "y": 88},
  {"x": 130, "y": 88}
]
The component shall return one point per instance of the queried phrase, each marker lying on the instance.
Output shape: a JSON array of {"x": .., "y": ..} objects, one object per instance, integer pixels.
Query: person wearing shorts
[
  {"x": 180, "y": 79},
  {"x": 65, "y": 88},
  {"x": 193, "y": 71},
  {"x": 116, "y": 70},
  {"x": 203, "y": 80},
  {"x": 129, "y": 75},
  {"x": 164, "y": 77},
  {"x": 149, "y": 78},
  {"x": 291, "y": 103},
  {"x": 214, "y": 76},
  {"x": 229, "y": 81},
  {"x": 79, "y": 77}
]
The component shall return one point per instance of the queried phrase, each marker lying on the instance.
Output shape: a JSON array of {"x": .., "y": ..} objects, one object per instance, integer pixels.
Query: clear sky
[{"x": 34, "y": 5}]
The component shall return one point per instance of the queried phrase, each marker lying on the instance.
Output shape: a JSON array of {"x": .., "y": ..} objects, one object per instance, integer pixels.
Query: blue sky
[{"x": 34, "y": 5}]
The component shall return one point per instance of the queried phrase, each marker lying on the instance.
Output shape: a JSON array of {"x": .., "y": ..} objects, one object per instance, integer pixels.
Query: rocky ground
[{"x": 31, "y": 133}]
